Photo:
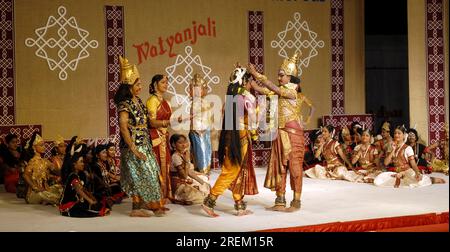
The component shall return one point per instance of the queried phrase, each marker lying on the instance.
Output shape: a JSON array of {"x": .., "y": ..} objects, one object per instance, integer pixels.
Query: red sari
[{"x": 160, "y": 140}]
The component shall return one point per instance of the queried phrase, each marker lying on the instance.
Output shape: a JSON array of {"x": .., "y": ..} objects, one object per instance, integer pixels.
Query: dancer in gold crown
[
  {"x": 288, "y": 148},
  {"x": 140, "y": 177},
  {"x": 37, "y": 175},
  {"x": 383, "y": 142},
  {"x": 58, "y": 152}
]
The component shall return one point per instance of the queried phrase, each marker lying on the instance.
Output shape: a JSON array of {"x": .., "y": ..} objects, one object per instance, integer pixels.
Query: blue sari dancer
[
  {"x": 140, "y": 171},
  {"x": 200, "y": 133}
]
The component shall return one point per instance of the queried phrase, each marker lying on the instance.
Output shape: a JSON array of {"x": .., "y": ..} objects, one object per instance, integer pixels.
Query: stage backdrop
[{"x": 65, "y": 72}]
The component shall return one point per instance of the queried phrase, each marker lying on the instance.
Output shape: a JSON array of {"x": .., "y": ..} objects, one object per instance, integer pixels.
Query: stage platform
[{"x": 322, "y": 202}]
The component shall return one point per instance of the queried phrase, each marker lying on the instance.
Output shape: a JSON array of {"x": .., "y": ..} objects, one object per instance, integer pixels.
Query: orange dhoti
[{"x": 239, "y": 178}]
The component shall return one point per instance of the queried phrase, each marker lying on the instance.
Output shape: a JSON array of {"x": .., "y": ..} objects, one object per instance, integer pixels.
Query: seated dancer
[
  {"x": 114, "y": 173},
  {"x": 346, "y": 141},
  {"x": 355, "y": 136},
  {"x": 235, "y": 145},
  {"x": 140, "y": 175},
  {"x": 37, "y": 175},
  {"x": 77, "y": 145},
  {"x": 88, "y": 151},
  {"x": 310, "y": 160},
  {"x": 111, "y": 192},
  {"x": 438, "y": 165},
  {"x": 335, "y": 159},
  {"x": 418, "y": 148},
  {"x": 57, "y": 158},
  {"x": 406, "y": 172},
  {"x": 10, "y": 155},
  {"x": 383, "y": 142},
  {"x": 77, "y": 200},
  {"x": 93, "y": 182},
  {"x": 366, "y": 156},
  {"x": 189, "y": 187}
]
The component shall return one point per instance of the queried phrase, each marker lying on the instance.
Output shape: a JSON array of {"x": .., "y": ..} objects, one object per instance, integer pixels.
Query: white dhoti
[{"x": 409, "y": 180}]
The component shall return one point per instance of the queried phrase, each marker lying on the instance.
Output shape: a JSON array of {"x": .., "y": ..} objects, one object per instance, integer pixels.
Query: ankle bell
[
  {"x": 240, "y": 205},
  {"x": 296, "y": 203},
  {"x": 209, "y": 202},
  {"x": 280, "y": 201}
]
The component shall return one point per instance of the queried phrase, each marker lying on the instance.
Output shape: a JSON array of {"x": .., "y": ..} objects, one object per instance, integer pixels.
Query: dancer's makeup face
[
  {"x": 136, "y": 88},
  {"x": 283, "y": 78},
  {"x": 365, "y": 138},
  {"x": 162, "y": 85},
  {"x": 398, "y": 136},
  {"x": 79, "y": 164}
]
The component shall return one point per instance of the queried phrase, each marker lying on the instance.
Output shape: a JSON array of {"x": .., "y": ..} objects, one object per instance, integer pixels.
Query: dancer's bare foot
[
  {"x": 277, "y": 208},
  {"x": 243, "y": 212},
  {"x": 292, "y": 209},
  {"x": 435, "y": 180},
  {"x": 139, "y": 213},
  {"x": 209, "y": 211}
]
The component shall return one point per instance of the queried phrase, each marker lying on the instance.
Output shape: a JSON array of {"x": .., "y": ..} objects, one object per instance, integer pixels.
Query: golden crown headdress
[
  {"x": 345, "y": 131},
  {"x": 38, "y": 139},
  {"x": 198, "y": 81},
  {"x": 386, "y": 126},
  {"x": 290, "y": 65},
  {"x": 59, "y": 140},
  {"x": 128, "y": 73}
]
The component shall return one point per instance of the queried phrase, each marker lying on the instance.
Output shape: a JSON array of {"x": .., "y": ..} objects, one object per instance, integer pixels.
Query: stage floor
[{"x": 322, "y": 202}]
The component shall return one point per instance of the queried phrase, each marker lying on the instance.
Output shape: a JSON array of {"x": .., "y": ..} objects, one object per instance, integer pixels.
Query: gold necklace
[
  {"x": 367, "y": 150},
  {"x": 161, "y": 99}
]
